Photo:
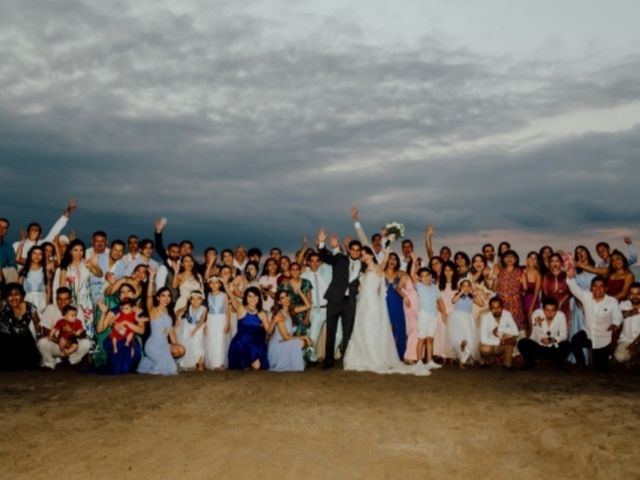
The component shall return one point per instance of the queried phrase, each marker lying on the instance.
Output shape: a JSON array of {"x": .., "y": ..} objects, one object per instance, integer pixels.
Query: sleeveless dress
[
  {"x": 157, "y": 358},
  {"x": 285, "y": 355},
  {"x": 461, "y": 328},
  {"x": 125, "y": 360},
  {"x": 193, "y": 345},
  {"x": 509, "y": 288},
  {"x": 411, "y": 319},
  {"x": 372, "y": 347},
  {"x": 35, "y": 290},
  {"x": 216, "y": 342},
  {"x": 614, "y": 286},
  {"x": 529, "y": 299},
  {"x": 395, "y": 307},
  {"x": 249, "y": 344},
  {"x": 441, "y": 346}
]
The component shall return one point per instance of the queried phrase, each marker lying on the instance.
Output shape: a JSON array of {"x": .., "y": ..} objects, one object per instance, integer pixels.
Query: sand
[{"x": 454, "y": 424}]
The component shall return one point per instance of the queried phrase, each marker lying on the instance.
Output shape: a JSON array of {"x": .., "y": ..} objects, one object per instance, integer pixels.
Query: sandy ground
[{"x": 454, "y": 424}]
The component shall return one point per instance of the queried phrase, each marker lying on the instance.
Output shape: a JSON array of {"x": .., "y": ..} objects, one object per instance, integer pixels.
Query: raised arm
[
  {"x": 355, "y": 216},
  {"x": 158, "y": 241},
  {"x": 303, "y": 250},
  {"x": 237, "y": 306},
  {"x": 428, "y": 240},
  {"x": 325, "y": 255},
  {"x": 57, "y": 227}
]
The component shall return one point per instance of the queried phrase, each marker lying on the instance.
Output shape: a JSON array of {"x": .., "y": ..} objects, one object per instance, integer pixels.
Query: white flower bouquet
[{"x": 394, "y": 230}]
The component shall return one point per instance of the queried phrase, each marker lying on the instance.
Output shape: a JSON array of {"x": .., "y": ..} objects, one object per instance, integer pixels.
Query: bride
[{"x": 372, "y": 347}]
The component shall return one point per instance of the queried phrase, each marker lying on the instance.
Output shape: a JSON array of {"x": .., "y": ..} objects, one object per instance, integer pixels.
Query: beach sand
[{"x": 454, "y": 424}]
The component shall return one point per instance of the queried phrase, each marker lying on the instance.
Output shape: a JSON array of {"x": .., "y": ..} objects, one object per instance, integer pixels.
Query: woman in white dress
[
  {"x": 461, "y": 329},
  {"x": 372, "y": 347},
  {"x": 190, "y": 332},
  {"x": 187, "y": 280},
  {"x": 34, "y": 279}
]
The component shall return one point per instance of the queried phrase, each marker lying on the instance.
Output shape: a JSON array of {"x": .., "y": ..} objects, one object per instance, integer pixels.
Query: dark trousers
[
  {"x": 532, "y": 351},
  {"x": 600, "y": 355},
  {"x": 345, "y": 310}
]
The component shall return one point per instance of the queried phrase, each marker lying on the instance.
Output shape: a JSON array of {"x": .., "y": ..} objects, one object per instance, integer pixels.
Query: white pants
[
  {"x": 622, "y": 353},
  {"x": 50, "y": 350}
]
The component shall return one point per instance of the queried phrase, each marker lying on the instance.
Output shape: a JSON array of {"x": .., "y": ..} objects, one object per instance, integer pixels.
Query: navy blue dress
[
  {"x": 249, "y": 344},
  {"x": 127, "y": 358},
  {"x": 395, "y": 307}
]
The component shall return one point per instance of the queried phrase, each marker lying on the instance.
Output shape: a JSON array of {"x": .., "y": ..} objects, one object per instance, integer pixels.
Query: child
[
  {"x": 218, "y": 326},
  {"x": 119, "y": 329},
  {"x": 191, "y": 331},
  {"x": 461, "y": 329},
  {"x": 430, "y": 303},
  {"x": 67, "y": 329}
]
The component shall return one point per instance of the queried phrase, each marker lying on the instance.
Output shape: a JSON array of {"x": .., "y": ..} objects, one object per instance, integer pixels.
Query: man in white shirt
[
  {"x": 498, "y": 332},
  {"x": 319, "y": 275},
  {"x": 34, "y": 230},
  {"x": 101, "y": 252},
  {"x": 629, "y": 342},
  {"x": 240, "y": 259},
  {"x": 602, "y": 316},
  {"x": 49, "y": 350},
  {"x": 603, "y": 249},
  {"x": 548, "y": 340}
]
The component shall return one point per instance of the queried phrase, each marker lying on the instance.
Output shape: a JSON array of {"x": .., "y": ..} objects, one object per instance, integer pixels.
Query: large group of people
[{"x": 113, "y": 308}]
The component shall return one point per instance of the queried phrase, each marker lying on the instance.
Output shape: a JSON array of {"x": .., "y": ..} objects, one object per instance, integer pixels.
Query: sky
[{"x": 259, "y": 121}]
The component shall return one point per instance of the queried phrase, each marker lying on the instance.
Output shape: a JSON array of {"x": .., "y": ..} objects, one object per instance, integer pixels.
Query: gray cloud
[{"x": 237, "y": 135}]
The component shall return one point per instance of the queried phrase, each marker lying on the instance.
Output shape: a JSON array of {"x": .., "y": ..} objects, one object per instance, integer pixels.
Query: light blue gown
[
  {"x": 285, "y": 356},
  {"x": 157, "y": 358}
]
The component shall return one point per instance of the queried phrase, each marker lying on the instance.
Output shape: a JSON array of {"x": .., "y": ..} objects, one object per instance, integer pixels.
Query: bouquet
[{"x": 394, "y": 230}]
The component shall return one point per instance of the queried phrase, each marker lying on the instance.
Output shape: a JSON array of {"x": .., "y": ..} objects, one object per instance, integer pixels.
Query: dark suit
[{"x": 339, "y": 303}]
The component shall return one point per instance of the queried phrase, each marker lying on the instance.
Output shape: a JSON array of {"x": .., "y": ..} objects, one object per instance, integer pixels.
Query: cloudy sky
[{"x": 258, "y": 121}]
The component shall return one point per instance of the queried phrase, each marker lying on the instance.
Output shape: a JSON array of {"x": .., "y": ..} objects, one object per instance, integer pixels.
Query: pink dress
[
  {"x": 411, "y": 320},
  {"x": 509, "y": 288},
  {"x": 441, "y": 347}
]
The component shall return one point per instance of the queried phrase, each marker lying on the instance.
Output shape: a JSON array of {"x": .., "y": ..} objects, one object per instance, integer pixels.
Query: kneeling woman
[
  {"x": 248, "y": 347},
  {"x": 285, "y": 348},
  {"x": 161, "y": 346}
]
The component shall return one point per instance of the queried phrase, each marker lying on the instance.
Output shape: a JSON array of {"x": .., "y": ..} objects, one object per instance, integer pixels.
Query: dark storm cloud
[{"x": 235, "y": 135}]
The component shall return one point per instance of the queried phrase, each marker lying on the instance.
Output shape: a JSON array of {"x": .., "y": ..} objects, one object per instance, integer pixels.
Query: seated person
[
  {"x": 498, "y": 332},
  {"x": 120, "y": 329},
  {"x": 48, "y": 348},
  {"x": 602, "y": 317},
  {"x": 629, "y": 343},
  {"x": 548, "y": 340},
  {"x": 67, "y": 330}
]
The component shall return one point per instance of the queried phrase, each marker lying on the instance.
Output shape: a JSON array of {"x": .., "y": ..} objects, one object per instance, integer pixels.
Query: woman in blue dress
[
  {"x": 161, "y": 346},
  {"x": 105, "y": 359},
  {"x": 286, "y": 349},
  {"x": 248, "y": 348},
  {"x": 395, "y": 303}
]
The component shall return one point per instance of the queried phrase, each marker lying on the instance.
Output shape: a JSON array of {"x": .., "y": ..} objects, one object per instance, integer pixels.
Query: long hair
[
  {"x": 473, "y": 269},
  {"x": 392, "y": 254},
  {"x": 265, "y": 268},
  {"x": 66, "y": 258},
  {"x": 625, "y": 262},
  {"x": 442, "y": 282},
  {"x": 256, "y": 292},
  {"x": 170, "y": 310},
  {"x": 436, "y": 275},
  {"x": 277, "y": 307},
  {"x": 590, "y": 260},
  {"x": 43, "y": 263}
]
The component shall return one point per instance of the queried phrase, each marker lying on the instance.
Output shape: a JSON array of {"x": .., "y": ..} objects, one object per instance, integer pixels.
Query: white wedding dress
[{"x": 371, "y": 347}]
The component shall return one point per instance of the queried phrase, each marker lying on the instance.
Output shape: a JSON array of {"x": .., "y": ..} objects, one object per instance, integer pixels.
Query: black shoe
[{"x": 327, "y": 365}]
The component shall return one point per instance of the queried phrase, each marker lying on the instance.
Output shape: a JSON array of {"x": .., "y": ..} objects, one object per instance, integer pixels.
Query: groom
[{"x": 341, "y": 292}]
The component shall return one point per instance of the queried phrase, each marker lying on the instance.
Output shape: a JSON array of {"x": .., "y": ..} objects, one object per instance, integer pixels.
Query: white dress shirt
[
  {"x": 319, "y": 282},
  {"x": 598, "y": 315},
  {"x": 630, "y": 325},
  {"x": 557, "y": 329},
  {"x": 53, "y": 232},
  {"x": 506, "y": 326}
]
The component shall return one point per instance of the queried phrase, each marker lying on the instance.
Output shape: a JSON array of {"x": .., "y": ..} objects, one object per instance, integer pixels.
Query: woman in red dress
[{"x": 508, "y": 286}]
